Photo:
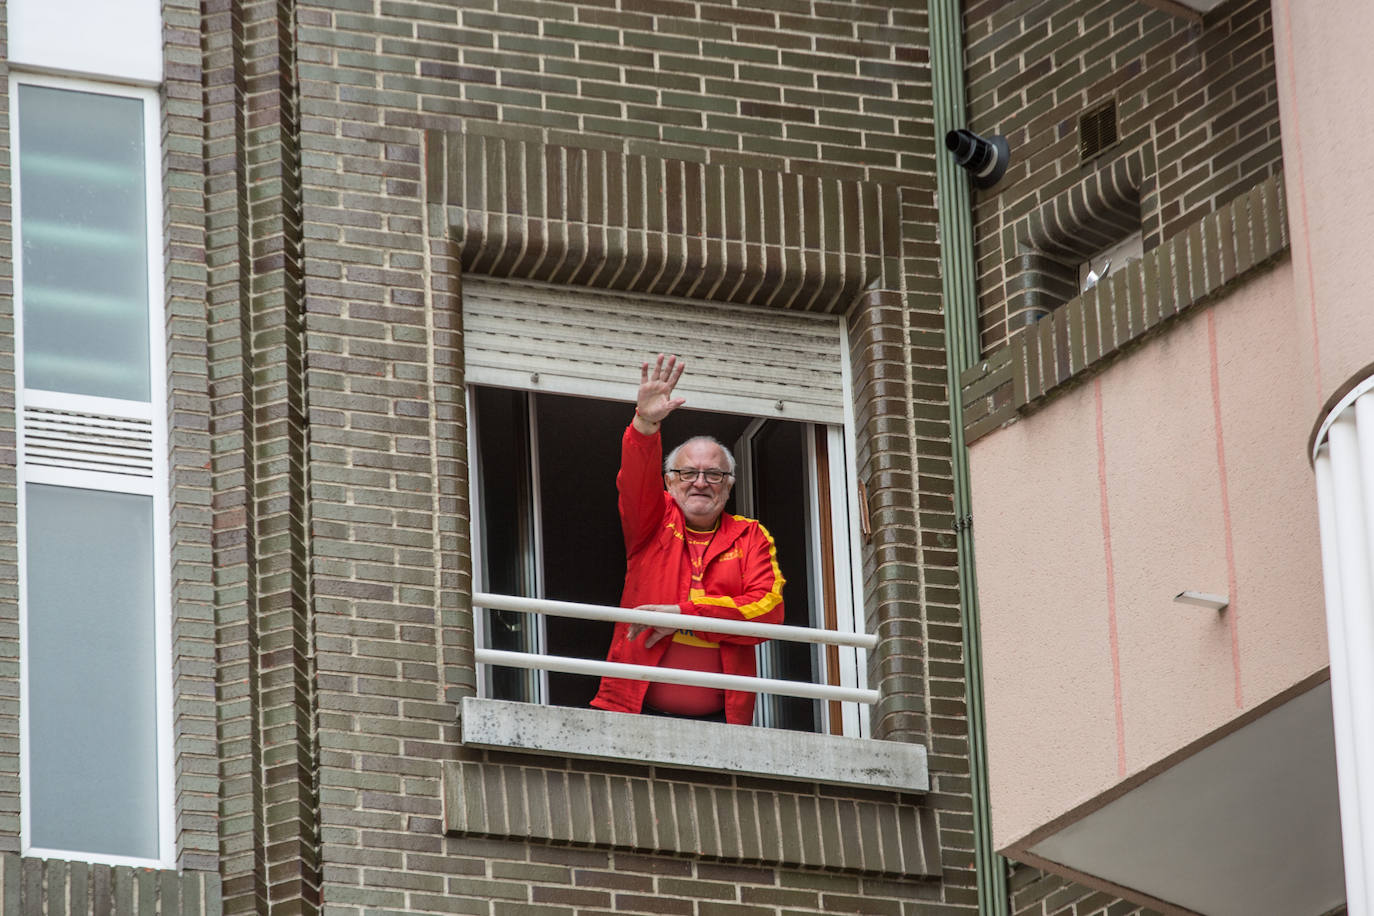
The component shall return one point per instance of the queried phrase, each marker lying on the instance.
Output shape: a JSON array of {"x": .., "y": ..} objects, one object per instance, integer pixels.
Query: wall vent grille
[
  {"x": 88, "y": 442},
  {"x": 1097, "y": 130}
]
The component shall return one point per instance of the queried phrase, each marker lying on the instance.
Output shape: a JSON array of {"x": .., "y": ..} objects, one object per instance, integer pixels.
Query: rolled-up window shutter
[{"x": 756, "y": 361}]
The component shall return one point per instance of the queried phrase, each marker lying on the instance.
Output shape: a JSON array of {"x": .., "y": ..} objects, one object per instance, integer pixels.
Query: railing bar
[
  {"x": 676, "y": 621},
  {"x": 674, "y": 676}
]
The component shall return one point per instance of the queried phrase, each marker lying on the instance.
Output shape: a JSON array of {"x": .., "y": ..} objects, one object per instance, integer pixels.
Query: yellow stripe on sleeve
[{"x": 754, "y": 608}]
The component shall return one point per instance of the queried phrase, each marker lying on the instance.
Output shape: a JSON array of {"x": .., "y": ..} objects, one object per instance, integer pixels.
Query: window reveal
[{"x": 546, "y": 504}]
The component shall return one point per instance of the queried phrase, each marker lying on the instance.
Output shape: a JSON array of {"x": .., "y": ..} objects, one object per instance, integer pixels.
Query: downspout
[{"x": 962, "y": 351}]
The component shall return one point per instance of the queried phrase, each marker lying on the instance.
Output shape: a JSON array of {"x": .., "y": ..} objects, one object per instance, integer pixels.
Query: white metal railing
[{"x": 672, "y": 675}]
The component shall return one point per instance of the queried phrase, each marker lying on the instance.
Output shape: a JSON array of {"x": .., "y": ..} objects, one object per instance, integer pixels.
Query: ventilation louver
[
  {"x": 1097, "y": 130},
  {"x": 88, "y": 442}
]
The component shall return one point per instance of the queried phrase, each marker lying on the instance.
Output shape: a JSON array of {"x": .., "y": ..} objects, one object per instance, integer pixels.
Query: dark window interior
[
  {"x": 780, "y": 482},
  {"x": 507, "y": 528},
  {"x": 583, "y": 554}
]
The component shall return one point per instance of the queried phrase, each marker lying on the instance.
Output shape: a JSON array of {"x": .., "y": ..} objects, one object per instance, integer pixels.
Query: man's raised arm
[{"x": 655, "y": 400}]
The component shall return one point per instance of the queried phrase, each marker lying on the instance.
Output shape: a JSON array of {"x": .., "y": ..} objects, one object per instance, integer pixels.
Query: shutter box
[{"x": 741, "y": 360}]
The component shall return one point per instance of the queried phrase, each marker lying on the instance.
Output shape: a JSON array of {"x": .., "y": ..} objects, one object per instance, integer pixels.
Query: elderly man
[{"x": 685, "y": 556}]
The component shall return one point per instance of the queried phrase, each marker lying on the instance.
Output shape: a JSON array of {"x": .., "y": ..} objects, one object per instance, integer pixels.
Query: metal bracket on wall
[{"x": 865, "y": 524}]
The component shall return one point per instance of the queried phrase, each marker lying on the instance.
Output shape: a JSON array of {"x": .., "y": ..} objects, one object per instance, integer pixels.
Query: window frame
[
  {"x": 838, "y": 552},
  {"x": 539, "y": 678},
  {"x": 844, "y": 552},
  {"x": 155, "y": 486},
  {"x": 858, "y": 719},
  {"x": 121, "y": 41}
]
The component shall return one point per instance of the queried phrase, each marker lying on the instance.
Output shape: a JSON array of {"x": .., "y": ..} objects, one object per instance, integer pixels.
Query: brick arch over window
[
  {"x": 1049, "y": 243},
  {"x": 602, "y": 218},
  {"x": 605, "y": 219}
]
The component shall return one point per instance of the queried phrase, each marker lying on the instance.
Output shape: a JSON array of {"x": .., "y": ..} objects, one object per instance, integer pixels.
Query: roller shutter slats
[{"x": 741, "y": 360}]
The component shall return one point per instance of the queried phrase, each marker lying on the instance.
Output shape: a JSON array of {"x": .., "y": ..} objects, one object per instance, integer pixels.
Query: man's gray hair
[{"x": 671, "y": 461}]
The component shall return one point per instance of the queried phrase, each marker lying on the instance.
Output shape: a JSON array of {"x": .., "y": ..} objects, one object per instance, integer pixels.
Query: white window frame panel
[
  {"x": 536, "y": 559},
  {"x": 156, "y": 485},
  {"x": 656, "y": 336},
  {"x": 854, "y": 716},
  {"x": 115, "y": 40},
  {"x": 476, "y": 547},
  {"x": 477, "y": 513},
  {"x": 845, "y": 479}
]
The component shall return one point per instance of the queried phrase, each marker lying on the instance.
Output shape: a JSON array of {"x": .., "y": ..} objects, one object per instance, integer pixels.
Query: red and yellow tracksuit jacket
[{"x": 740, "y": 581}]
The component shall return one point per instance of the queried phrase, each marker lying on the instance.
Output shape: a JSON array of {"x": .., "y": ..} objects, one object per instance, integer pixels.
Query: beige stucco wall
[
  {"x": 1323, "y": 72},
  {"x": 1092, "y": 672}
]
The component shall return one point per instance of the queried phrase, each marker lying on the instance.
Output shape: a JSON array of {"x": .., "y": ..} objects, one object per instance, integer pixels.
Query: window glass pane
[
  {"x": 508, "y": 548},
  {"x": 584, "y": 560},
  {"x": 780, "y": 485},
  {"x": 91, "y": 671},
  {"x": 84, "y": 231}
]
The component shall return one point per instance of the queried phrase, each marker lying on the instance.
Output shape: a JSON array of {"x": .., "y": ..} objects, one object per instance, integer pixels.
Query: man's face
[{"x": 701, "y": 502}]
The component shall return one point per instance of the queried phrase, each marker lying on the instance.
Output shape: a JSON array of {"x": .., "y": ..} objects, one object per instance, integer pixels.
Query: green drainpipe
[{"x": 961, "y": 349}]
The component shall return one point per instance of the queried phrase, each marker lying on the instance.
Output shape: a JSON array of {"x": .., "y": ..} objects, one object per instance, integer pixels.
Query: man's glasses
[{"x": 689, "y": 475}]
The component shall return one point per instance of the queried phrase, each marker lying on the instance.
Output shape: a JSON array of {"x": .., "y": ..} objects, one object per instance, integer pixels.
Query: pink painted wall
[
  {"x": 1323, "y": 72},
  {"x": 1180, "y": 467}
]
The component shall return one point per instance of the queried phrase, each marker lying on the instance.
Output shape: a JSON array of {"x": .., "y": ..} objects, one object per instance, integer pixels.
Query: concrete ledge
[
  {"x": 1224, "y": 248},
  {"x": 546, "y": 795},
  {"x": 591, "y": 733}
]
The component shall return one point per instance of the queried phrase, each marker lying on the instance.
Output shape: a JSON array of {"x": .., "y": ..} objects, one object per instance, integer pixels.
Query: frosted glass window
[
  {"x": 83, "y": 226},
  {"x": 92, "y": 666}
]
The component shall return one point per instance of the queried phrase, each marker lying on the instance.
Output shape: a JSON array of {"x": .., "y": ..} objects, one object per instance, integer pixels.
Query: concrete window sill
[{"x": 776, "y": 753}]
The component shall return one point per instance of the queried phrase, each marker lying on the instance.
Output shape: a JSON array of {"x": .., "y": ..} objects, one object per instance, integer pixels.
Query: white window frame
[
  {"x": 854, "y": 715},
  {"x": 114, "y": 40},
  {"x": 844, "y": 479},
  {"x": 156, "y": 486},
  {"x": 477, "y": 547},
  {"x": 845, "y": 549}
]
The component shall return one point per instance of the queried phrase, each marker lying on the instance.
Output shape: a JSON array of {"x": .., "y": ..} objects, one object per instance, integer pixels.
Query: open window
[{"x": 545, "y": 444}]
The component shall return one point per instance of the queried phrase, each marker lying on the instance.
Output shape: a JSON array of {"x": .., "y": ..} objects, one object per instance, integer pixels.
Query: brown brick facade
[
  {"x": 1039, "y": 893},
  {"x": 30, "y": 885},
  {"x": 333, "y": 168},
  {"x": 1195, "y": 100},
  {"x": 268, "y": 829},
  {"x": 667, "y": 811},
  {"x": 594, "y": 216},
  {"x": 1196, "y": 170},
  {"x": 387, "y": 539},
  {"x": 1223, "y": 249}
]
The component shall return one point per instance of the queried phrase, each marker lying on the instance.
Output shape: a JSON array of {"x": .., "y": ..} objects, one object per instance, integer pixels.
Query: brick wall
[
  {"x": 187, "y": 380},
  {"x": 1198, "y": 149},
  {"x": 268, "y": 837},
  {"x": 341, "y": 475},
  {"x": 1196, "y": 102},
  {"x": 786, "y": 81},
  {"x": 1039, "y": 893},
  {"x": 319, "y": 459},
  {"x": 552, "y": 881},
  {"x": 30, "y": 884},
  {"x": 1211, "y": 258}
]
